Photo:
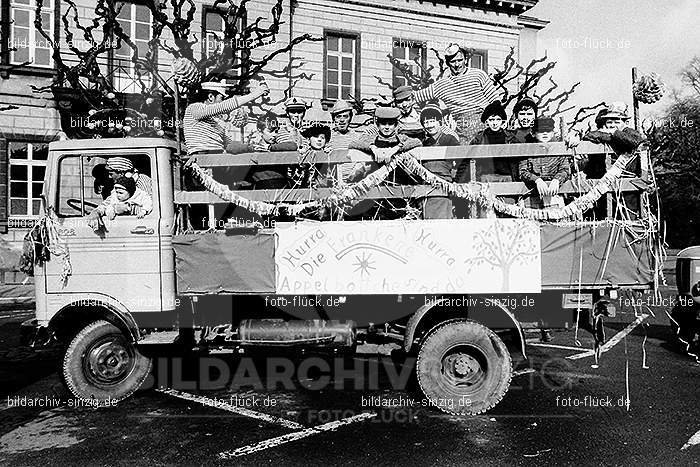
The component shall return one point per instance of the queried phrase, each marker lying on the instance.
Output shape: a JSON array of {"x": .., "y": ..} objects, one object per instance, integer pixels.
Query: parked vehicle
[{"x": 453, "y": 293}]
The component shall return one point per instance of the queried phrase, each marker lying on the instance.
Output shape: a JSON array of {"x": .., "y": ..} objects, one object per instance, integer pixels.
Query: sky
[{"x": 598, "y": 42}]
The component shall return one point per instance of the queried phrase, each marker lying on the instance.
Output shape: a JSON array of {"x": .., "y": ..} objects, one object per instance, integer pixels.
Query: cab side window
[{"x": 88, "y": 183}]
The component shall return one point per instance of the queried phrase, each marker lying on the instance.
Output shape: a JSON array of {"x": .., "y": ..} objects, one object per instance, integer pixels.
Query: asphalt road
[{"x": 554, "y": 413}]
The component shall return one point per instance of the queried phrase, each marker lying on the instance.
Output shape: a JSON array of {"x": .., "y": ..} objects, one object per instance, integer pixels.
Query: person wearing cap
[
  {"x": 126, "y": 198},
  {"x": 545, "y": 174},
  {"x": 525, "y": 112},
  {"x": 490, "y": 170},
  {"x": 204, "y": 122},
  {"x": 386, "y": 144},
  {"x": 341, "y": 137},
  {"x": 289, "y": 137},
  {"x": 466, "y": 92},
  {"x": 622, "y": 140},
  {"x": 261, "y": 140},
  {"x": 118, "y": 166},
  {"x": 431, "y": 118},
  {"x": 409, "y": 120}
]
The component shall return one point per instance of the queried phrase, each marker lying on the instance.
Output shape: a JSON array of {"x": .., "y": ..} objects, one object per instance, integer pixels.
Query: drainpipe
[{"x": 291, "y": 36}]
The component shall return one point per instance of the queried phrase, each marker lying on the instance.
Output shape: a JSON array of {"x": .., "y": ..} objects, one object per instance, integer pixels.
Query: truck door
[{"x": 122, "y": 262}]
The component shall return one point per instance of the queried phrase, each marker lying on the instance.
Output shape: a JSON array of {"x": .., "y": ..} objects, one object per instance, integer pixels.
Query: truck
[
  {"x": 454, "y": 294},
  {"x": 685, "y": 315}
]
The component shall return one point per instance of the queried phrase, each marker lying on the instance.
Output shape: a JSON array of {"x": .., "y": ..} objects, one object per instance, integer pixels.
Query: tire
[
  {"x": 102, "y": 365},
  {"x": 463, "y": 367}
]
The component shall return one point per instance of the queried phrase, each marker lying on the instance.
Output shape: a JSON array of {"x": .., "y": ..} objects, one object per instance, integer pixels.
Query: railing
[{"x": 472, "y": 153}]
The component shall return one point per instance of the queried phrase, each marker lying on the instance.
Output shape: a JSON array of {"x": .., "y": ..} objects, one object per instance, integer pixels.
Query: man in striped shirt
[
  {"x": 466, "y": 92},
  {"x": 205, "y": 121}
]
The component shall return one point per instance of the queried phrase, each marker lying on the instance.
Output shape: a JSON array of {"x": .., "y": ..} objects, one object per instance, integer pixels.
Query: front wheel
[
  {"x": 463, "y": 367},
  {"x": 102, "y": 365}
]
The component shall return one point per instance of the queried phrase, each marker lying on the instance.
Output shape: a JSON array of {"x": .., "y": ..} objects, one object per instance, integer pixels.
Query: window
[
  {"x": 32, "y": 47},
  {"x": 27, "y": 170},
  {"x": 479, "y": 60},
  {"x": 408, "y": 52},
  {"x": 341, "y": 66},
  {"x": 135, "y": 20},
  {"x": 79, "y": 187}
]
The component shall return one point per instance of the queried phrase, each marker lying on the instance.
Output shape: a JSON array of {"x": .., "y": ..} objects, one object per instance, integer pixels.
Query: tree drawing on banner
[
  {"x": 111, "y": 72},
  {"x": 503, "y": 245}
]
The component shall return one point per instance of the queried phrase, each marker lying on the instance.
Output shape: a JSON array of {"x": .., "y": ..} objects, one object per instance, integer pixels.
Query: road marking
[
  {"x": 695, "y": 439},
  {"x": 272, "y": 442},
  {"x": 616, "y": 339},
  {"x": 523, "y": 372},
  {"x": 221, "y": 404},
  {"x": 554, "y": 346}
]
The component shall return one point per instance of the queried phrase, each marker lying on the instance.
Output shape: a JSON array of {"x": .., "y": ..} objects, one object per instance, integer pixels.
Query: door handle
[{"x": 143, "y": 230}]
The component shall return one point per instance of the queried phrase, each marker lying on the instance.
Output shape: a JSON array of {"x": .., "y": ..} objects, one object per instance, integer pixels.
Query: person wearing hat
[
  {"x": 126, "y": 198},
  {"x": 289, "y": 137},
  {"x": 316, "y": 133},
  {"x": 431, "y": 118},
  {"x": 118, "y": 166},
  {"x": 525, "y": 113},
  {"x": 545, "y": 174},
  {"x": 490, "y": 170},
  {"x": 204, "y": 122},
  {"x": 466, "y": 92}
]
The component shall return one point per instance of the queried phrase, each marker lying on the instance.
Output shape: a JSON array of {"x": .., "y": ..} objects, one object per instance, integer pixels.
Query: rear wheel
[
  {"x": 463, "y": 367},
  {"x": 102, "y": 365}
]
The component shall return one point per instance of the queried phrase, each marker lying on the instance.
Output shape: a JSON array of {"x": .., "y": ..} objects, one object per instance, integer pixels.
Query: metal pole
[
  {"x": 177, "y": 119},
  {"x": 635, "y": 102}
]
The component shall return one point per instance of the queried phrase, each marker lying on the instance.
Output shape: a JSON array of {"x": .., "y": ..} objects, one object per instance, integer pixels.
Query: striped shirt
[
  {"x": 342, "y": 141},
  {"x": 465, "y": 95},
  {"x": 203, "y": 131}
]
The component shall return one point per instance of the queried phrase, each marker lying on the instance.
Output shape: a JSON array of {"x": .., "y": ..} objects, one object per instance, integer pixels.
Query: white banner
[{"x": 409, "y": 257}]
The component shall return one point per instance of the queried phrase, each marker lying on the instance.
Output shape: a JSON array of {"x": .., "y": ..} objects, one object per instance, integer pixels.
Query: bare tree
[
  {"x": 691, "y": 74},
  {"x": 79, "y": 67}
]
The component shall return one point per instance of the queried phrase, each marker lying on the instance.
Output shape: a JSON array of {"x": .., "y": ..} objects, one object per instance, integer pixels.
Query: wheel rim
[
  {"x": 464, "y": 368},
  {"x": 109, "y": 361}
]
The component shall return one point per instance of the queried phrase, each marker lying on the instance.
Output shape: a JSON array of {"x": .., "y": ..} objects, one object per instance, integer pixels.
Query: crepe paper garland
[
  {"x": 484, "y": 197},
  {"x": 487, "y": 199},
  {"x": 342, "y": 197},
  {"x": 649, "y": 89}
]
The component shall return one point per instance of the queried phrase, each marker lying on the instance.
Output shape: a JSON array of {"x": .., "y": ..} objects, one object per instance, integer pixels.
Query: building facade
[{"x": 350, "y": 62}]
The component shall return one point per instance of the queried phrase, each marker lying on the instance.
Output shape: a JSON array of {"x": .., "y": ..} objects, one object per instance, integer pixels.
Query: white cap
[{"x": 216, "y": 86}]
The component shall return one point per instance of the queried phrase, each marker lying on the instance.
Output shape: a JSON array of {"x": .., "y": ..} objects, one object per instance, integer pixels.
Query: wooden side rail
[
  {"x": 432, "y": 153},
  {"x": 399, "y": 191}
]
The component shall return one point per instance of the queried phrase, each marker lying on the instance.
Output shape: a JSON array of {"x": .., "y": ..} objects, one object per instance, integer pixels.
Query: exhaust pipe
[{"x": 277, "y": 332}]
